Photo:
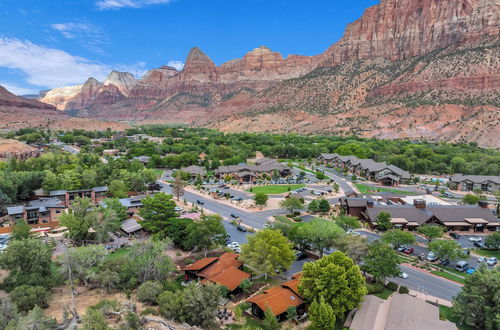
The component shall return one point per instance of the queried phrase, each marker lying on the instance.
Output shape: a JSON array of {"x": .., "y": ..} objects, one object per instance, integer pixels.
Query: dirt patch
[
  {"x": 9, "y": 146},
  {"x": 61, "y": 297}
]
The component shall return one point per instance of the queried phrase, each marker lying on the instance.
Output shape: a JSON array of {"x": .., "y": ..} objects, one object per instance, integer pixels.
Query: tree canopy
[{"x": 381, "y": 261}]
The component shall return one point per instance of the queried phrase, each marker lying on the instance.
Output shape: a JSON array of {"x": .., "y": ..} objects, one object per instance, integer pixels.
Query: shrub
[
  {"x": 26, "y": 297},
  {"x": 150, "y": 311},
  {"x": 245, "y": 285},
  {"x": 244, "y": 306},
  {"x": 375, "y": 288},
  {"x": 148, "y": 292},
  {"x": 392, "y": 286},
  {"x": 170, "y": 285},
  {"x": 403, "y": 290}
]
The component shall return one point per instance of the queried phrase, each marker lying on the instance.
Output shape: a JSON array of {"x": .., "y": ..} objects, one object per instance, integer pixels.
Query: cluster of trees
[
  {"x": 161, "y": 219},
  {"x": 421, "y": 157}
]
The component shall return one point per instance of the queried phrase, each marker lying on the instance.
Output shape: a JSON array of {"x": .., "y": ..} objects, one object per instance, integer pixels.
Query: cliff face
[
  {"x": 400, "y": 29},
  {"x": 407, "y": 68},
  {"x": 7, "y": 99}
]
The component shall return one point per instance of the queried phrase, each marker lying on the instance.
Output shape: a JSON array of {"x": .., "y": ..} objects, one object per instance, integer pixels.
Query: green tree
[
  {"x": 195, "y": 305},
  {"x": 245, "y": 285},
  {"x": 156, "y": 211},
  {"x": 79, "y": 219},
  {"x": 446, "y": 249},
  {"x": 148, "y": 261},
  {"x": 177, "y": 229},
  {"x": 268, "y": 251},
  {"x": 347, "y": 222},
  {"x": 291, "y": 313},
  {"x": 355, "y": 247},
  {"x": 322, "y": 315},
  {"x": 82, "y": 262},
  {"x": 334, "y": 278},
  {"x": 470, "y": 199},
  {"x": 118, "y": 189},
  {"x": 381, "y": 261},
  {"x": 26, "y": 297},
  {"x": 430, "y": 231},
  {"x": 384, "y": 221},
  {"x": 336, "y": 187},
  {"x": 397, "y": 237},
  {"x": 477, "y": 304},
  {"x": 28, "y": 262},
  {"x": 50, "y": 181},
  {"x": 94, "y": 320},
  {"x": 313, "y": 206},
  {"x": 492, "y": 241},
  {"x": 21, "y": 230},
  {"x": 115, "y": 205},
  {"x": 270, "y": 322},
  {"x": 320, "y": 234},
  {"x": 178, "y": 186},
  {"x": 206, "y": 233},
  {"x": 260, "y": 199},
  {"x": 291, "y": 204},
  {"x": 323, "y": 205},
  {"x": 34, "y": 320}
]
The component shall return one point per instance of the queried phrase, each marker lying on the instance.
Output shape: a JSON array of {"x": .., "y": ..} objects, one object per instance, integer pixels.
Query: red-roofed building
[
  {"x": 279, "y": 299},
  {"x": 224, "y": 270}
]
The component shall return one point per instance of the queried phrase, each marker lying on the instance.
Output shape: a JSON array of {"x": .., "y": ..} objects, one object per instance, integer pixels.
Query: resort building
[
  {"x": 487, "y": 184},
  {"x": 252, "y": 172},
  {"x": 40, "y": 213},
  {"x": 95, "y": 194}
]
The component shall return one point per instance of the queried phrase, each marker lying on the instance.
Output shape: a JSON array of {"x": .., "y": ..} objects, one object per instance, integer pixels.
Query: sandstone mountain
[
  {"x": 406, "y": 69},
  {"x": 17, "y": 112}
]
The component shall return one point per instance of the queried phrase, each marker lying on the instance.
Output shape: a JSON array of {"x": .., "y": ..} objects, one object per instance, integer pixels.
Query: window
[{"x": 32, "y": 215}]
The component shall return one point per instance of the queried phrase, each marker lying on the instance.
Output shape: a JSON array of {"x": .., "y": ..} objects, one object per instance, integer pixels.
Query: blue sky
[{"x": 52, "y": 43}]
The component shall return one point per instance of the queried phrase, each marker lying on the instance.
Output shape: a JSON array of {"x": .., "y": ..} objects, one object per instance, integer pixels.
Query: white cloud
[
  {"x": 88, "y": 35},
  {"x": 176, "y": 64},
  {"x": 50, "y": 68},
  {"x": 117, "y": 4},
  {"x": 17, "y": 90}
]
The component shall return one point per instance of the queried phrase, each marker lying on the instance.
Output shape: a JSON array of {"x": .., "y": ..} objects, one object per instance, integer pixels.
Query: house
[
  {"x": 380, "y": 172},
  {"x": 96, "y": 195},
  {"x": 111, "y": 152},
  {"x": 225, "y": 270},
  {"x": 39, "y": 213},
  {"x": 488, "y": 184},
  {"x": 133, "y": 204},
  {"x": 279, "y": 299},
  {"x": 143, "y": 159},
  {"x": 130, "y": 226},
  {"x": 409, "y": 216},
  {"x": 400, "y": 311},
  {"x": 202, "y": 156},
  {"x": 194, "y": 171},
  {"x": 251, "y": 172}
]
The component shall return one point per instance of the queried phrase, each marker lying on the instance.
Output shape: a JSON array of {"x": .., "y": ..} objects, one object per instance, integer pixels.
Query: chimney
[
  {"x": 483, "y": 204},
  {"x": 369, "y": 204},
  {"x": 419, "y": 203}
]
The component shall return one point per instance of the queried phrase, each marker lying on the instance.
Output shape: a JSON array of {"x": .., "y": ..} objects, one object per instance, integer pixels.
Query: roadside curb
[{"x": 430, "y": 273}]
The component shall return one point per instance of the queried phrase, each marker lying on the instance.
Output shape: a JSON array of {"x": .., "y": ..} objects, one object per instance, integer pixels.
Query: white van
[{"x": 462, "y": 266}]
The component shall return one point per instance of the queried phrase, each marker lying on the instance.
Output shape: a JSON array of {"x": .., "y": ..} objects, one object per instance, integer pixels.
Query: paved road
[
  {"x": 429, "y": 284},
  {"x": 342, "y": 182}
]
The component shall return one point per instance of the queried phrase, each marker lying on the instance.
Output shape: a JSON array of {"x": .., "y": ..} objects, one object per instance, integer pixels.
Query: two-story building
[
  {"x": 252, "y": 172},
  {"x": 95, "y": 194},
  {"x": 40, "y": 213},
  {"x": 488, "y": 184}
]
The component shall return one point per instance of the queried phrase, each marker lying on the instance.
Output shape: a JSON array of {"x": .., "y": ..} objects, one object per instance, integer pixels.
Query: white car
[
  {"x": 403, "y": 275},
  {"x": 475, "y": 239},
  {"x": 491, "y": 261},
  {"x": 431, "y": 257},
  {"x": 481, "y": 259},
  {"x": 233, "y": 244}
]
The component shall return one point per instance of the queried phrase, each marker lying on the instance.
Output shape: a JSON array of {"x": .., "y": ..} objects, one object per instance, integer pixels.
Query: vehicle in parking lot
[
  {"x": 481, "y": 259},
  {"x": 447, "y": 194},
  {"x": 478, "y": 244},
  {"x": 299, "y": 255},
  {"x": 431, "y": 256},
  {"x": 241, "y": 228},
  {"x": 178, "y": 208},
  {"x": 470, "y": 270},
  {"x": 445, "y": 262},
  {"x": 462, "y": 266},
  {"x": 408, "y": 250},
  {"x": 401, "y": 248},
  {"x": 455, "y": 235},
  {"x": 492, "y": 261},
  {"x": 475, "y": 239}
]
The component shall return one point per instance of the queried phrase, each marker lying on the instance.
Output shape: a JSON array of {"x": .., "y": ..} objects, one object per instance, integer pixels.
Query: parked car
[
  {"x": 447, "y": 194},
  {"x": 299, "y": 255},
  {"x": 431, "y": 256},
  {"x": 470, "y": 270},
  {"x": 462, "y": 266},
  {"x": 232, "y": 244},
  {"x": 178, "y": 208},
  {"x": 445, "y": 262},
  {"x": 267, "y": 225},
  {"x": 481, "y": 259},
  {"x": 401, "y": 248},
  {"x": 408, "y": 250},
  {"x": 478, "y": 244},
  {"x": 241, "y": 228},
  {"x": 492, "y": 261},
  {"x": 455, "y": 235},
  {"x": 475, "y": 239}
]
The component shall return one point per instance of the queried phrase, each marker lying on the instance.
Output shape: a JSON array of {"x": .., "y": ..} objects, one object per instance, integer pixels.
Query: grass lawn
[
  {"x": 446, "y": 313},
  {"x": 119, "y": 253},
  {"x": 384, "y": 294},
  {"x": 250, "y": 323},
  {"x": 364, "y": 189},
  {"x": 276, "y": 188},
  {"x": 449, "y": 276},
  {"x": 158, "y": 172},
  {"x": 488, "y": 253},
  {"x": 453, "y": 270}
]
